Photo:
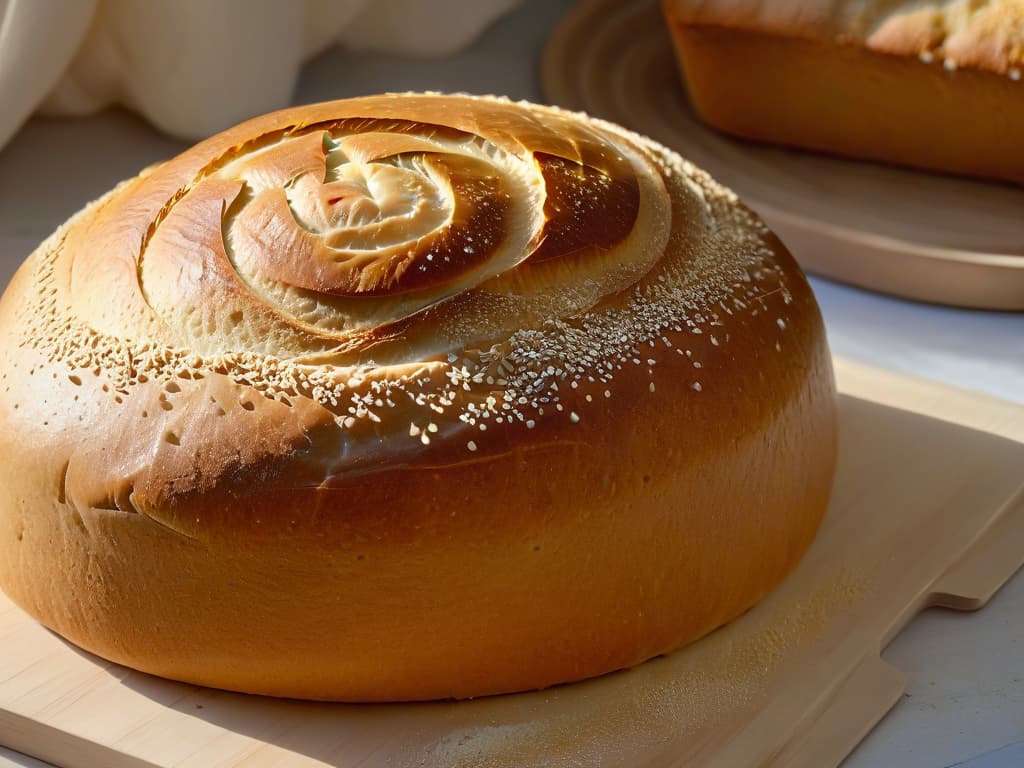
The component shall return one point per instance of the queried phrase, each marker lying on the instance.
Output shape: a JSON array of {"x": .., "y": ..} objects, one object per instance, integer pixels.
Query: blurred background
[{"x": 965, "y": 705}]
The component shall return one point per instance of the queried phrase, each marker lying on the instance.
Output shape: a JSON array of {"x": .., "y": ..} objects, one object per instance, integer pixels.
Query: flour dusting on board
[{"x": 677, "y": 700}]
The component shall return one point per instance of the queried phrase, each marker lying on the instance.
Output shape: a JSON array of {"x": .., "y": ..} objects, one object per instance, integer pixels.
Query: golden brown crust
[
  {"x": 984, "y": 34},
  {"x": 864, "y": 80},
  {"x": 608, "y": 432}
]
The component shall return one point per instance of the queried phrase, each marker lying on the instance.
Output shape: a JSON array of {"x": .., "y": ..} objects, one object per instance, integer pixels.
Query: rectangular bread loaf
[{"x": 931, "y": 85}]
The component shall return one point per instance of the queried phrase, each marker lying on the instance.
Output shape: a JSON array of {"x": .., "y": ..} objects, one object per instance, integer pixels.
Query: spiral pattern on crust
[
  {"x": 333, "y": 238},
  {"x": 402, "y": 260}
]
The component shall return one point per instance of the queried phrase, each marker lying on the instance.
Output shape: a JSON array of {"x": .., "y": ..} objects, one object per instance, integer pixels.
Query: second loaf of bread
[{"x": 931, "y": 85}]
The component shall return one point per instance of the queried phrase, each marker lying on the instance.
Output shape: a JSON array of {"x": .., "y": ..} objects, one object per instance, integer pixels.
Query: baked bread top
[
  {"x": 373, "y": 282},
  {"x": 982, "y": 34}
]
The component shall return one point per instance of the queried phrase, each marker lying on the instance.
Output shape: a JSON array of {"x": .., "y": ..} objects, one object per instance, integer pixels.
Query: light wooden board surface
[
  {"x": 928, "y": 509},
  {"x": 913, "y": 234}
]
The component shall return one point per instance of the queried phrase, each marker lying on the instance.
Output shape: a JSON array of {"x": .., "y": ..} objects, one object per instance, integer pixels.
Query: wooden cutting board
[
  {"x": 919, "y": 235},
  {"x": 928, "y": 510}
]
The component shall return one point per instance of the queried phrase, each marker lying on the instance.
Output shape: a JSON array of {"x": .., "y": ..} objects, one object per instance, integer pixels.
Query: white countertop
[{"x": 965, "y": 703}]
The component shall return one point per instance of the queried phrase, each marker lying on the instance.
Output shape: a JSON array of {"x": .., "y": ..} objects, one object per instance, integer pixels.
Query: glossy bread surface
[{"x": 405, "y": 397}]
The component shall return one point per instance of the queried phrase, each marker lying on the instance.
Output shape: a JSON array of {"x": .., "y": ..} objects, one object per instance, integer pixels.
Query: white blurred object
[
  {"x": 421, "y": 27},
  {"x": 194, "y": 67},
  {"x": 38, "y": 38}
]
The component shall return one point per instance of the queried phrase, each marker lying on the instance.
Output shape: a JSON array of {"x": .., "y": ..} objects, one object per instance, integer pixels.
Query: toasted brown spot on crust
[{"x": 585, "y": 207}]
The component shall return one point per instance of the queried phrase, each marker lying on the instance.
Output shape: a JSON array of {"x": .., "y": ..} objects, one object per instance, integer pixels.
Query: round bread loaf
[{"x": 408, "y": 397}]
